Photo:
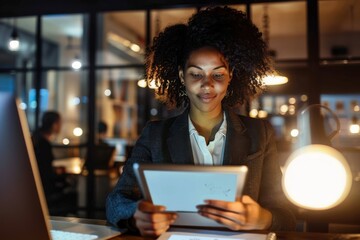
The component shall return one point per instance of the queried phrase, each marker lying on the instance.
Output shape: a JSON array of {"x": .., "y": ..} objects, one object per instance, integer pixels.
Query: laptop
[
  {"x": 23, "y": 209},
  {"x": 180, "y": 188}
]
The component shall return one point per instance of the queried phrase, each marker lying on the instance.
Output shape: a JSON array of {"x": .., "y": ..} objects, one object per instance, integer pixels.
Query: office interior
[{"x": 85, "y": 59}]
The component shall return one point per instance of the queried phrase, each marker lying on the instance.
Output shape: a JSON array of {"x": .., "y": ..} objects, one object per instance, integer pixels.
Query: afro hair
[{"x": 225, "y": 29}]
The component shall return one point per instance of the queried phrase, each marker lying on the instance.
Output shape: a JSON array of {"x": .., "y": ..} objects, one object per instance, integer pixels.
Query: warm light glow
[
  {"x": 76, "y": 64},
  {"x": 294, "y": 133},
  {"x": 304, "y": 98},
  {"x": 66, "y": 141},
  {"x": 76, "y": 169},
  {"x": 135, "y": 47},
  {"x": 262, "y": 114},
  {"x": 14, "y": 45},
  {"x": 316, "y": 177},
  {"x": 356, "y": 108},
  {"x": 120, "y": 42},
  {"x": 142, "y": 83},
  {"x": 253, "y": 113},
  {"x": 283, "y": 109},
  {"x": 77, "y": 132},
  {"x": 274, "y": 80},
  {"x": 152, "y": 84},
  {"x": 354, "y": 128},
  {"x": 292, "y": 100},
  {"x": 107, "y": 92},
  {"x": 291, "y": 109}
]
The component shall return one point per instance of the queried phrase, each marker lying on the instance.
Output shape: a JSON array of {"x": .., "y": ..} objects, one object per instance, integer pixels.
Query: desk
[
  {"x": 71, "y": 165},
  {"x": 280, "y": 235}
]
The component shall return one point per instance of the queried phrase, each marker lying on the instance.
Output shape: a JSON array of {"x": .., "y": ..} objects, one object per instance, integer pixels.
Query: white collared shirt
[{"x": 211, "y": 154}]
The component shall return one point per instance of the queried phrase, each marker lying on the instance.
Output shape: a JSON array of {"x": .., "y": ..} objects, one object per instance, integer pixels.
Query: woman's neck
[{"x": 206, "y": 123}]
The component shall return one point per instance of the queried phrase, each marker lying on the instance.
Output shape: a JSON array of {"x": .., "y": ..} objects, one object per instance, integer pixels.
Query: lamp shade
[{"x": 316, "y": 177}]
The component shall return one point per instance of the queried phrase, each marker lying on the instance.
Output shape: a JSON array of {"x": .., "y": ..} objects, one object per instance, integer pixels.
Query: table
[
  {"x": 71, "y": 165},
  {"x": 280, "y": 235}
]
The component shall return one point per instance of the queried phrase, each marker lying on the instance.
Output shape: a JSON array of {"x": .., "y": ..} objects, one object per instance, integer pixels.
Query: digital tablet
[{"x": 180, "y": 188}]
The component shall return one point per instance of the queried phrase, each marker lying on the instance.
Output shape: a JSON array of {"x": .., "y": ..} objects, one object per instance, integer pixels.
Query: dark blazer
[{"x": 249, "y": 142}]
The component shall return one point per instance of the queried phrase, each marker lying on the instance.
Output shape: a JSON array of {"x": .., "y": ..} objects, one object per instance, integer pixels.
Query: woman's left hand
[{"x": 244, "y": 214}]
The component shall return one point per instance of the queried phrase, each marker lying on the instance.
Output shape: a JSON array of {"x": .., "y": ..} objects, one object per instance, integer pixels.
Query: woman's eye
[
  {"x": 218, "y": 76},
  {"x": 196, "y": 75}
]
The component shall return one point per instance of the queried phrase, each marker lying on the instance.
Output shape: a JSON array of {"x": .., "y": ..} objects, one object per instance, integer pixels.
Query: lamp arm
[{"x": 337, "y": 130}]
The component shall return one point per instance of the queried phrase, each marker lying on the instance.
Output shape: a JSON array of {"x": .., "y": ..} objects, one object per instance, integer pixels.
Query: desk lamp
[{"x": 316, "y": 176}]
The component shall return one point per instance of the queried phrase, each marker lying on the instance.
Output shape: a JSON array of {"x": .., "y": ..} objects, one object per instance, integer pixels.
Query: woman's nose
[{"x": 207, "y": 81}]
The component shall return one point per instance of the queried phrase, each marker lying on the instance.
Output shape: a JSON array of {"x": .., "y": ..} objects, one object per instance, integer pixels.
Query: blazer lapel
[
  {"x": 178, "y": 141},
  {"x": 237, "y": 141}
]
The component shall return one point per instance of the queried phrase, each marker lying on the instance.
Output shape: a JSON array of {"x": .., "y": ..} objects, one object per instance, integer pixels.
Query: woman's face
[{"x": 206, "y": 77}]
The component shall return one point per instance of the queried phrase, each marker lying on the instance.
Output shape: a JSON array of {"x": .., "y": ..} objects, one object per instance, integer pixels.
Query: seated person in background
[
  {"x": 54, "y": 184},
  {"x": 50, "y": 126},
  {"x": 102, "y": 133},
  {"x": 208, "y": 65}
]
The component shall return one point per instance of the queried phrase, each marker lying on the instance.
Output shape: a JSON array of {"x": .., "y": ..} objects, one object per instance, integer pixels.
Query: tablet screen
[{"x": 184, "y": 190}]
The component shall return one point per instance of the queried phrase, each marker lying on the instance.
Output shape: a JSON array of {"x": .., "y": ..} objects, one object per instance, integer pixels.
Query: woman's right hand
[{"x": 152, "y": 220}]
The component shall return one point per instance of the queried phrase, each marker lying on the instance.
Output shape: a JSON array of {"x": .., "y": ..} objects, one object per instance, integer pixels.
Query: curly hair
[{"x": 225, "y": 29}]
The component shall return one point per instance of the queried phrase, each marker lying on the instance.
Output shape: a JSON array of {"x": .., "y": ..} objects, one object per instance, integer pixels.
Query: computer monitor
[
  {"x": 23, "y": 209},
  {"x": 20, "y": 206}
]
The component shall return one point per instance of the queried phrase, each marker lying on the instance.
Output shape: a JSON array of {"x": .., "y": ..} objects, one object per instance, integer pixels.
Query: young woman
[{"x": 207, "y": 66}]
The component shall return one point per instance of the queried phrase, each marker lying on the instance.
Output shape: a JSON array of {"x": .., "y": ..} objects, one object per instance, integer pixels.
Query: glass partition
[
  {"x": 19, "y": 54},
  {"x": 66, "y": 92},
  {"x": 160, "y": 19},
  {"x": 285, "y": 26},
  {"x": 63, "y": 40},
  {"x": 339, "y": 23},
  {"x": 122, "y": 38}
]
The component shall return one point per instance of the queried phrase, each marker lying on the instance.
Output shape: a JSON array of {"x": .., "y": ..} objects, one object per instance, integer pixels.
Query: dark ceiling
[{"x": 9, "y": 8}]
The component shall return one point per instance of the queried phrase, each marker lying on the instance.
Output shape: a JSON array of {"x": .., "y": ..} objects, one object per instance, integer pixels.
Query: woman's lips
[{"x": 206, "y": 97}]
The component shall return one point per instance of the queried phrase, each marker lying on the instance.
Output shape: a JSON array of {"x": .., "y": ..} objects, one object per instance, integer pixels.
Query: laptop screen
[{"x": 22, "y": 204}]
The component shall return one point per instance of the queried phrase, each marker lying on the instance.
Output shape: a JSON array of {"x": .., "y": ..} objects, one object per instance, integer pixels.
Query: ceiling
[{"x": 285, "y": 19}]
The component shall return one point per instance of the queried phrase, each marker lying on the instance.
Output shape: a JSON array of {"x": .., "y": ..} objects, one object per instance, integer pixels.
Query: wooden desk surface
[{"x": 280, "y": 235}]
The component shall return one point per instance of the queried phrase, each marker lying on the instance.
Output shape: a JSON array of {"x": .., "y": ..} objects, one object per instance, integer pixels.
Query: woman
[{"x": 207, "y": 65}]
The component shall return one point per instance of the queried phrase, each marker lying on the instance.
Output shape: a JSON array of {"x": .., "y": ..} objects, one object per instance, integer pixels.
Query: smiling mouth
[{"x": 206, "y": 97}]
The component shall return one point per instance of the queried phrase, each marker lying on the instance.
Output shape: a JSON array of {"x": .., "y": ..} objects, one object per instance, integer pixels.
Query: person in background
[
  {"x": 50, "y": 127},
  {"x": 102, "y": 133},
  {"x": 209, "y": 65}
]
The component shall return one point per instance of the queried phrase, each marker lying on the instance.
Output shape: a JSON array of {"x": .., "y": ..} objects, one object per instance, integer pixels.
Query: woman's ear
[{"x": 181, "y": 75}]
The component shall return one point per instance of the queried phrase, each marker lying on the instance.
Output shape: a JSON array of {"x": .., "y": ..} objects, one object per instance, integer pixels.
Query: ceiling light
[
  {"x": 76, "y": 63},
  {"x": 274, "y": 79},
  {"x": 14, "y": 43}
]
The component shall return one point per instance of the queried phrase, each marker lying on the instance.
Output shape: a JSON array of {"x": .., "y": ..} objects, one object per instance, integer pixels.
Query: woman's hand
[
  {"x": 244, "y": 214},
  {"x": 151, "y": 220}
]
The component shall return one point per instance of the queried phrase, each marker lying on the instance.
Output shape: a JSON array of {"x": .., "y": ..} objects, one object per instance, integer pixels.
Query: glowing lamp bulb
[
  {"x": 316, "y": 177},
  {"x": 76, "y": 64},
  {"x": 354, "y": 128},
  {"x": 77, "y": 132},
  {"x": 14, "y": 45}
]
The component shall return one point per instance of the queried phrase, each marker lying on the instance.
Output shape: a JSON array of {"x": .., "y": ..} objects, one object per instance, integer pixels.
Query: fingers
[
  {"x": 222, "y": 216},
  {"x": 235, "y": 207},
  {"x": 151, "y": 220},
  {"x": 146, "y": 206},
  {"x": 230, "y": 223}
]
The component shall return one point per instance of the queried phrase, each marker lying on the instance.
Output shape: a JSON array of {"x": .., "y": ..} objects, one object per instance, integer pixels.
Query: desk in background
[{"x": 71, "y": 165}]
